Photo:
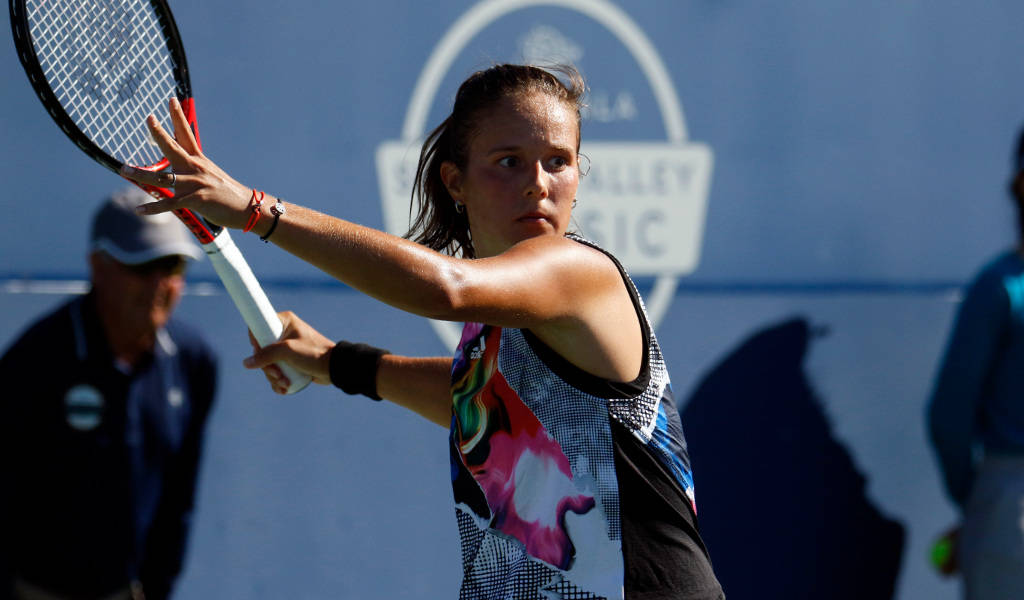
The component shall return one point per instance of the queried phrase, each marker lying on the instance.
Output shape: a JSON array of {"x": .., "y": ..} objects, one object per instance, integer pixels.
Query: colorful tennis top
[{"x": 534, "y": 462}]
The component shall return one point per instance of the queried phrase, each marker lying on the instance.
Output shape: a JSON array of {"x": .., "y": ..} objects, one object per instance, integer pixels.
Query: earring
[
  {"x": 573, "y": 203},
  {"x": 584, "y": 166},
  {"x": 459, "y": 207}
]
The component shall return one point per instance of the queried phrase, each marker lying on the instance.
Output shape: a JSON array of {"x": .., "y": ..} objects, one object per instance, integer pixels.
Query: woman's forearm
[
  {"x": 389, "y": 268},
  {"x": 418, "y": 384}
]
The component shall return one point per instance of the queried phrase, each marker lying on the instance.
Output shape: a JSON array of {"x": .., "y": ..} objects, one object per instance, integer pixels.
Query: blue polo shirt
[
  {"x": 978, "y": 399},
  {"x": 99, "y": 461}
]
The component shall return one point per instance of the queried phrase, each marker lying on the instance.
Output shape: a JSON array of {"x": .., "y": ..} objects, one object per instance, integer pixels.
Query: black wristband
[{"x": 353, "y": 368}]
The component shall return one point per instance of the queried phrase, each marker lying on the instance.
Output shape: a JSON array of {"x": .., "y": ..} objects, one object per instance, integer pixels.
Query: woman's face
[{"x": 521, "y": 172}]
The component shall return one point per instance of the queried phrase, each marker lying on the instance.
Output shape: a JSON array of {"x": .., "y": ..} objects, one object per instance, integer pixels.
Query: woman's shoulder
[
  {"x": 593, "y": 248},
  {"x": 572, "y": 251}
]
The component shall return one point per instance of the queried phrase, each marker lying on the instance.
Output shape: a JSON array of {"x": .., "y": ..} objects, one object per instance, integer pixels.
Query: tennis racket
[{"x": 100, "y": 67}]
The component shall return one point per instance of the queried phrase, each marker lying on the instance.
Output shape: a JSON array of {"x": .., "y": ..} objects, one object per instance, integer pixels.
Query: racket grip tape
[{"x": 251, "y": 300}]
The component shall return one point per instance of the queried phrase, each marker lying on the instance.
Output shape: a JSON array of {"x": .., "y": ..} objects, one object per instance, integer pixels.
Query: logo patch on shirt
[
  {"x": 478, "y": 351},
  {"x": 83, "y": 407}
]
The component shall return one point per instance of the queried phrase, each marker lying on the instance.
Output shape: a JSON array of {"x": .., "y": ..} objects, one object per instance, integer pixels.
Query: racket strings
[{"x": 108, "y": 64}]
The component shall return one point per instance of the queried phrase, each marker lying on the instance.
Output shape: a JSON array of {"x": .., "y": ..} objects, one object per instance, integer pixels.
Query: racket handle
[{"x": 250, "y": 299}]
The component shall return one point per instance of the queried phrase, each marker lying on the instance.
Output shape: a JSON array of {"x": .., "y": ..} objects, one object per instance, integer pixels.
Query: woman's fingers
[
  {"x": 177, "y": 154},
  {"x": 183, "y": 133},
  {"x": 300, "y": 345},
  {"x": 177, "y": 149},
  {"x": 159, "y": 206},
  {"x": 199, "y": 184},
  {"x": 269, "y": 354},
  {"x": 163, "y": 179},
  {"x": 170, "y": 148},
  {"x": 266, "y": 359},
  {"x": 275, "y": 376}
]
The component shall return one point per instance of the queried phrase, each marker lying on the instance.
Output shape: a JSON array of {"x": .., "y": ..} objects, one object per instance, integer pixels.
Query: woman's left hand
[
  {"x": 199, "y": 184},
  {"x": 301, "y": 346}
]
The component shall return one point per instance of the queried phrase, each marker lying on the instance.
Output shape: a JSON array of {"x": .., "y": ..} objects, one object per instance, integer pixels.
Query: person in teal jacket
[{"x": 976, "y": 423}]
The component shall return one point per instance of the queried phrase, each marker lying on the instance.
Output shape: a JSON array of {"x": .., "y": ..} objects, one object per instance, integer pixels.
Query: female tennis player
[{"x": 569, "y": 468}]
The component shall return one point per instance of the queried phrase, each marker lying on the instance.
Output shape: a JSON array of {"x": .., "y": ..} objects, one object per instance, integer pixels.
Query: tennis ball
[{"x": 942, "y": 553}]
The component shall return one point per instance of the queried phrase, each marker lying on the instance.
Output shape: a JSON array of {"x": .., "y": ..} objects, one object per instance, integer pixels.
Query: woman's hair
[{"x": 437, "y": 224}]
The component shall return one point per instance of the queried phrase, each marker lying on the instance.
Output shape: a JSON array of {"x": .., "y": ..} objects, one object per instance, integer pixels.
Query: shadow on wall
[{"x": 781, "y": 504}]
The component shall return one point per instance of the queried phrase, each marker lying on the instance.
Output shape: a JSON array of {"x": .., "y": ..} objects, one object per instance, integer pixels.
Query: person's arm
[
  {"x": 535, "y": 282},
  {"x": 571, "y": 296},
  {"x": 418, "y": 384},
  {"x": 954, "y": 405}
]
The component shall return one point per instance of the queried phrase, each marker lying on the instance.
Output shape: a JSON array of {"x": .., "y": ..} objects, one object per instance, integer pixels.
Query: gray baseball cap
[{"x": 133, "y": 239}]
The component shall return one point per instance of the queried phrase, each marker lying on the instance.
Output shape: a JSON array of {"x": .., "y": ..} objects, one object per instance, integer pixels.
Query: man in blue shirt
[
  {"x": 104, "y": 407},
  {"x": 976, "y": 421}
]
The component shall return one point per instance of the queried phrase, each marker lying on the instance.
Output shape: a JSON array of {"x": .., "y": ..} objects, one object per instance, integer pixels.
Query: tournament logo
[{"x": 645, "y": 195}]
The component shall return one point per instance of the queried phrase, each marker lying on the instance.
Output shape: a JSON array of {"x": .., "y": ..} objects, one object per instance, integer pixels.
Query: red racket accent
[
  {"x": 188, "y": 106},
  {"x": 195, "y": 225}
]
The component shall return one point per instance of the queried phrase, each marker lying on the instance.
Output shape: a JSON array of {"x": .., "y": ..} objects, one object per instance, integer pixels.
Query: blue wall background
[{"x": 861, "y": 153}]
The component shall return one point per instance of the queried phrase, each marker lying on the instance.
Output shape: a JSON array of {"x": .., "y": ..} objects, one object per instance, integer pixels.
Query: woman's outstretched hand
[
  {"x": 301, "y": 346},
  {"x": 199, "y": 184}
]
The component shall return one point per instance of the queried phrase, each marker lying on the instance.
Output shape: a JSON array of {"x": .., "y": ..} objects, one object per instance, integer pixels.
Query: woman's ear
[{"x": 451, "y": 176}]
